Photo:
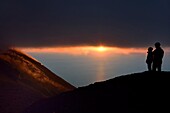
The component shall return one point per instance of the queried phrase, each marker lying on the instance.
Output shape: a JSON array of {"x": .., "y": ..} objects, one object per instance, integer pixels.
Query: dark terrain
[
  {"x": 23, "y": 81},
  {"x": 146, "y": 92}
]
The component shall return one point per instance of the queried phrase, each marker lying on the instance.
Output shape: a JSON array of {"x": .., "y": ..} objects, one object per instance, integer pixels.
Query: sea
[{"x": 83, "y": 69}]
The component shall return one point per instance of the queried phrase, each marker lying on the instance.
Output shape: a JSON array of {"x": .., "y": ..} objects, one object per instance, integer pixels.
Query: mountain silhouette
[
  {"x": 24, "y": 80},
  {"x": 145, "y": 92}
]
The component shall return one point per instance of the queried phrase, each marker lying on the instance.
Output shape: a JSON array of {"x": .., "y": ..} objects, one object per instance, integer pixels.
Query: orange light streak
[{"x": 85, "y": 50}]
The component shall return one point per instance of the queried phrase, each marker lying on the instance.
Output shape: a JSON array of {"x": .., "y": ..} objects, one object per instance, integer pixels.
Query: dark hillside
[
  {"x": 146, "y": 92},
  {"x": 24, "y": 81}
]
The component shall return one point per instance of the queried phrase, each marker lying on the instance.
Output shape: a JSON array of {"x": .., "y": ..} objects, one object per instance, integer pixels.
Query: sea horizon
[{"x": 88, "y": 67}]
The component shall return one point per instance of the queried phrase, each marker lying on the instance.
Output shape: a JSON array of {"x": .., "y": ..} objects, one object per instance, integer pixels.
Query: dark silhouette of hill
[
  {"x": 146, "y": 92},
  {"x": 23, "y": 81}
]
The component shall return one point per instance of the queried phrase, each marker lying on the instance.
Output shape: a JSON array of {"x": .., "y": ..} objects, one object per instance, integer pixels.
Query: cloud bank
[{"x": 118, "y": 23}]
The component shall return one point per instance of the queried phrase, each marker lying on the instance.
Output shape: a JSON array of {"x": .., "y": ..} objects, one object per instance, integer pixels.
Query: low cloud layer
[{"x": 121, "y": 23}]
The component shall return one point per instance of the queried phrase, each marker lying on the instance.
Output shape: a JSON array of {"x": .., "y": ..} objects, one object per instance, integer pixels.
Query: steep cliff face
[{"x": 23, "y": 80}]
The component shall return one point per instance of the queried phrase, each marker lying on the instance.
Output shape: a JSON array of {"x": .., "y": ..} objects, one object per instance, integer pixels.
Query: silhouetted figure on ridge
[
  {"x": 158, "y": 54},
  {"x": 149, "y": 59}
]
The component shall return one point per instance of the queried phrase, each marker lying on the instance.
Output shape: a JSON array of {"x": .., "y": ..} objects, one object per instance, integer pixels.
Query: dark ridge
[
  {"x": 146, "y": 92},
  {"x": 43, "y": 69},
  {"x": 24, "y": 81}
]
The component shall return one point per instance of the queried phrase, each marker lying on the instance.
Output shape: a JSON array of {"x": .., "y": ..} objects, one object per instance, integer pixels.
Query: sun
[{"x": 101, "y": 49}]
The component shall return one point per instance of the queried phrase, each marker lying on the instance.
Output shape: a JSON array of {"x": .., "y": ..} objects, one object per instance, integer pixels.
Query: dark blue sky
[{"x": 122, "y": 23}]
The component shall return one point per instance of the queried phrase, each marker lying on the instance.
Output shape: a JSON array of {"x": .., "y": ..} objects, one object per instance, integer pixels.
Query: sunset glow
[
  {"x": 101, "y": 49},
  {"x": 85, "y": 50}
]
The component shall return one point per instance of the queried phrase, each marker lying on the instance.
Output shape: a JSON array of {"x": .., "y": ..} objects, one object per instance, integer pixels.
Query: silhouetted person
[
  {"x": 158, "y": 54},
  {"x": 149, "y": 58}
]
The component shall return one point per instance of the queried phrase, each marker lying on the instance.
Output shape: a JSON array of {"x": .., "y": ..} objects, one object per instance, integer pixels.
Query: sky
[{"x": 118, "y": 23}]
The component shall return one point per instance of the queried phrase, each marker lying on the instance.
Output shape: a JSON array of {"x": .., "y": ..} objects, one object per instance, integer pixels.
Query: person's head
[
  {"x": 150, "y": 49},
  {"x": 157, "y": 44}
]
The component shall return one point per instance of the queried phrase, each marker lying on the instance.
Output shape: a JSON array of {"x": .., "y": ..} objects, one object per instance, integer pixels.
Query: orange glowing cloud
[{"x": 85, "y": 50}]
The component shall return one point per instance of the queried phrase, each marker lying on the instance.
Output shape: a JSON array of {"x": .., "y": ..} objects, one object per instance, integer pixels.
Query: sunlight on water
[{"x": 100, "y": 72}]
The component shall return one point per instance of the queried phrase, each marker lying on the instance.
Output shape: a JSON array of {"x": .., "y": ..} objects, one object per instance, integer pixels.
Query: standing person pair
[{"x": 154, "y": 58}]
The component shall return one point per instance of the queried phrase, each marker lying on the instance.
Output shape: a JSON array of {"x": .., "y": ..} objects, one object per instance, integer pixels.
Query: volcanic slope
[{"x": 24, "y": 80}]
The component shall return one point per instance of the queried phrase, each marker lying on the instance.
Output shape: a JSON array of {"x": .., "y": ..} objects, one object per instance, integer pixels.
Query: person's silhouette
[
  {"x": 149, "y": 58},
  {"x": 158, "y": 54}
]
